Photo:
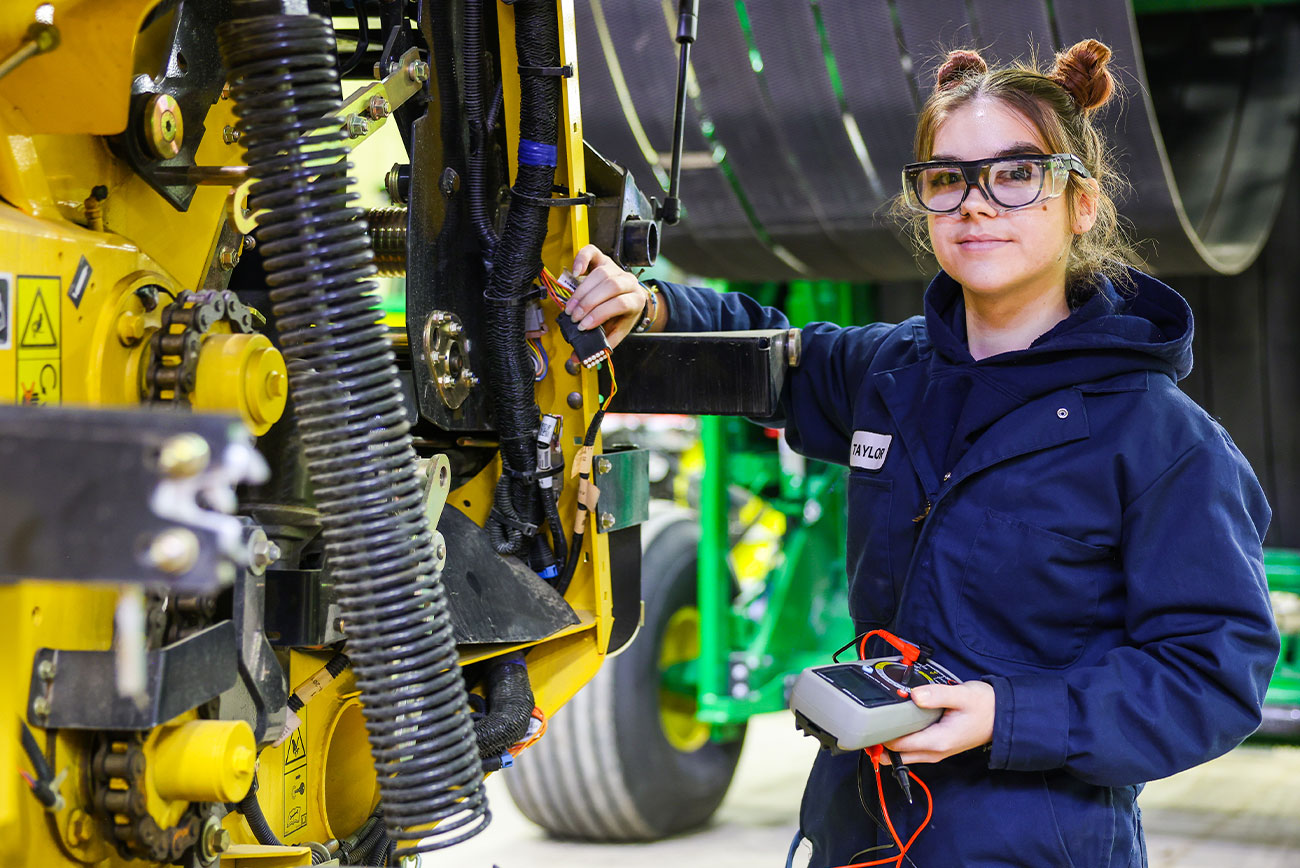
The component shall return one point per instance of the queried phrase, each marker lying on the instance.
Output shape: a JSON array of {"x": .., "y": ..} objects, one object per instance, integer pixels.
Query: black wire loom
[{"x": 359, "y": 457}]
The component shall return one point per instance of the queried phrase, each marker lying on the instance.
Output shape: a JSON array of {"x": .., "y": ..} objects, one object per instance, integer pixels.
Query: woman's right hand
[{"x": 607, "y": 296}]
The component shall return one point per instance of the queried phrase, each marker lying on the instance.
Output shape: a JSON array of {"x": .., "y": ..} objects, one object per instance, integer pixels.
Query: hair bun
[
  {"x": 1081, "y": 70},
  {"x": 956, "y": 66}
]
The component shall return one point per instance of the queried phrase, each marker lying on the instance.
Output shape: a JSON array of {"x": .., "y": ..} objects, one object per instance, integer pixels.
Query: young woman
[{"x": 1031, "y": 496}]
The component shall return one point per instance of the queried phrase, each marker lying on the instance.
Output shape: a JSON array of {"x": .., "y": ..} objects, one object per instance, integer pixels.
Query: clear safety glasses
[{"x": 1010, "y": 182}]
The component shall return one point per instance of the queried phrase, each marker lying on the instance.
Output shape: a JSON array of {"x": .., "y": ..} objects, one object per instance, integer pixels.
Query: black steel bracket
[
  {"x": 747, "y": 371},
  {"x": 78, "y": 689}
]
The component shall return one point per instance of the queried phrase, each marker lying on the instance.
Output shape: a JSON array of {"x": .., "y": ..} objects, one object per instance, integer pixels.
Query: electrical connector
[
  {"x": 534, "y": 320},
  {"x": 590, "y": 345}
]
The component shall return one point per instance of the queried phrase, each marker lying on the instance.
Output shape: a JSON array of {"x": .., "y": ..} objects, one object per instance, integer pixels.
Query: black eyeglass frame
[{"x": 975, "y": 174}]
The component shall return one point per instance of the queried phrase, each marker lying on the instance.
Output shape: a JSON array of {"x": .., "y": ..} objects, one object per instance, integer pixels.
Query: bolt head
[
  {"x": 606, "y": 520},
  {"x": 80, "y": 827},
  {"x": 575, "y": 400},
  {"x": 184, "y": 455},
  {"x": 468, "y": 378},
  {"x": 603, "y": 465},
  {"x": 441, "y": 552},
  {"x": 378, "y": 107},
  {"x": 174, "y": 551},
  {"x": 130, "y": 328},
  {"x": 452, "y": 329},
  {"x": 46, "y": 670},
  {"x": 449, "y": 182},
  {"x": 41, "y": 706},
  {"x": 261, "y": 551},
  {"x": 229, "y": 135},
  {"x": 417, "y": 70},
  {"x": 164, "y": 128},
  {"x": 228, "y": 258}
]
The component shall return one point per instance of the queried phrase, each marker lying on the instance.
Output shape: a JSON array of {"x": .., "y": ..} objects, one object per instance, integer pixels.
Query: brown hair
[{"x": 1059, "y": 105}]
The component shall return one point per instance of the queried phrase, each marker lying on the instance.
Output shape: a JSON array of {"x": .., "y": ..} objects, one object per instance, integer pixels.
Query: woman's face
[{"x": 1015, "y": 256}]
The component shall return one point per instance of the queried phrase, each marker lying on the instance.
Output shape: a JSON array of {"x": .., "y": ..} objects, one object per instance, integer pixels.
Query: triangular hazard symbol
[{"x": 38, "y": 331}]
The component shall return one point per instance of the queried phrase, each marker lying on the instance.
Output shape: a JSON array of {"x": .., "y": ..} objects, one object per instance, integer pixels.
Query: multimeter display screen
[{"x": 852, "y": 680}]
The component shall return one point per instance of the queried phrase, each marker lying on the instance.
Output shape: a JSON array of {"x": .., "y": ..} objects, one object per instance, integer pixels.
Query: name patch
[{"x": 869, "y": 450}]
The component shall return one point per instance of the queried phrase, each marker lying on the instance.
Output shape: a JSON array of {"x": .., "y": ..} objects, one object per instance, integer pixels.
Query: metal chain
[{"x": 174, "y": 355}]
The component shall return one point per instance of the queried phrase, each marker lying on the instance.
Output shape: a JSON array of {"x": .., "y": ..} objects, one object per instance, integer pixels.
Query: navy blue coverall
[{"x": 1061, "y": 522}]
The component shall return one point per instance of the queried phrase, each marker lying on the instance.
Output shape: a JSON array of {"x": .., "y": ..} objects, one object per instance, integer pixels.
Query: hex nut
[
  {"x": 606, "y": 520},
  {"x": 378, "y": 107},
  {"x": 41, "y": 706},
  {"x": 356, "y": 126},
  {"x": 603, "y": 465},
  {"x": 228, "y": 258},
  {"x": 230, "y": 135}
]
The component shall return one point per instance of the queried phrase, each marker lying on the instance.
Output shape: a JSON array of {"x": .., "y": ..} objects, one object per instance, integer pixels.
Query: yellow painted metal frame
[{"x": 52, "y": 114}]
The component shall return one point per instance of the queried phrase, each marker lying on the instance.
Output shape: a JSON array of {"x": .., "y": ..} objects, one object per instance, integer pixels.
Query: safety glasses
[{"x": 1010, "y": 182}]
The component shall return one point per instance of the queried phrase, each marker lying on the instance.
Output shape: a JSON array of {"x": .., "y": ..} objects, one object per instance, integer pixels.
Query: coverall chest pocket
[
  {"x": 1028, "y": 595},
  {"x": 871, "y": 588}
]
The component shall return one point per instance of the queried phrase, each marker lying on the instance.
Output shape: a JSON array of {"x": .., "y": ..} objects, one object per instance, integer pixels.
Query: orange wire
[
  {"x": 613, "y": 383},
  {"x": 884, "y": 808}
]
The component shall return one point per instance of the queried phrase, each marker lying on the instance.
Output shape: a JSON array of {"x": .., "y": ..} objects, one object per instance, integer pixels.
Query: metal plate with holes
[
  {"x": 78, "y": 689},
  {"x": 112, "y": 512},
  {"x": 624, "y": 481}
]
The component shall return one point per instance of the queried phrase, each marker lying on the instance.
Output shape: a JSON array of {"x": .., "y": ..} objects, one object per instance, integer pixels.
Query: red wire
[
  {"x": 902, "y": 848},
  {"x": 910, "y": 653}
]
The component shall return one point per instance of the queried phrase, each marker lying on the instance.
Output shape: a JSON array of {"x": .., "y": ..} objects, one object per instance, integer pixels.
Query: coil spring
[
  {"x": 387, "y": 228},
  {"x": 354, "y": 431}
]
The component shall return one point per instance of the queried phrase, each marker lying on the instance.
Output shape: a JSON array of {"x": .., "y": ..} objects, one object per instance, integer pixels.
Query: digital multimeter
[{"x": 851, "y": 706}]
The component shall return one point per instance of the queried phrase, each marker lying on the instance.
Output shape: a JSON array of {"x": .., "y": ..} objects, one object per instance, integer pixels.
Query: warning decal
[
  {"x": 38, "y": 325},
  {"x": 35, "y": 328},
  {"x": 6, "y": 311},
  {"x": 295, "y": 780}
]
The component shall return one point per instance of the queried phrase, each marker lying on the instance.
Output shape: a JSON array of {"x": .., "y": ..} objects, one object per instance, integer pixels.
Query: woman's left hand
[{"x": 967, "y": 722}]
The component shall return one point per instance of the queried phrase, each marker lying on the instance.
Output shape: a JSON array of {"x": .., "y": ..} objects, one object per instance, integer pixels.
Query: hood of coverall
[{"x": 1146, "y": 328}]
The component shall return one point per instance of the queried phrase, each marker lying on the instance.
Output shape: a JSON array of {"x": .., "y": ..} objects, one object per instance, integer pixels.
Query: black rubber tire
[{"x": 605, "y": 770}]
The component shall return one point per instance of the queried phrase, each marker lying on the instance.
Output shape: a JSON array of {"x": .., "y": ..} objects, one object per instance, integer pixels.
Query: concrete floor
[{"x": 1242, "y": 811}]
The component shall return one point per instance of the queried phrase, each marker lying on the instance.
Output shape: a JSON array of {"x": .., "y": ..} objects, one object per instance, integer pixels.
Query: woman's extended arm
[{"x": 819, "y": 394}]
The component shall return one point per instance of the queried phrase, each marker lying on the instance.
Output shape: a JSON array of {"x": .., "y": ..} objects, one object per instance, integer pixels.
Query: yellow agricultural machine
[{"x": 283, "y": 575}]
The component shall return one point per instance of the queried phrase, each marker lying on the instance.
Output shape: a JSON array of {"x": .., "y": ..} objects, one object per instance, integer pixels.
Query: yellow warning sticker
[
  {"x": 295, "y": 780},
  {"x": 37, "y": 335},
  {"x": 38, "y": 381}
]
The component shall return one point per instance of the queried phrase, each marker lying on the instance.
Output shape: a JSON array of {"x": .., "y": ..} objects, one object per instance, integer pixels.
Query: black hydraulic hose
[
  {"x": 494, "y": 111},
  {"x": 509, "y": 706},
  {"x": 252, "y": 811},
  {"x": 43, "y": 785},
  {"x": 516, "y": 262},
  {"x": 472, "y": 76},
  {"x": 551, "y": 502},
  {"x": 353, "y": 425},
  {"x": 363, "y": 41},
  {"x": 374, "y": 839}
]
